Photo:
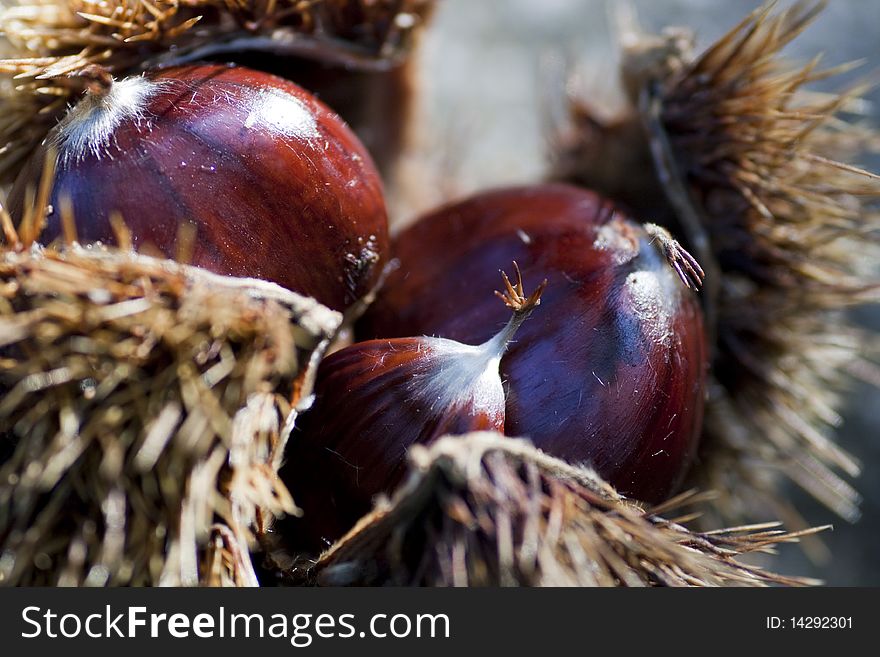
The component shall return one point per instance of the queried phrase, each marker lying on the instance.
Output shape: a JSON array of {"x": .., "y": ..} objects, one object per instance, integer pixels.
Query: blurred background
[{"x": 491, "y": 72}]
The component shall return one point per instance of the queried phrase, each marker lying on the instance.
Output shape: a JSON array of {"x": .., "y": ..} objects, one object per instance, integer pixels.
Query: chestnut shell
[
  {"x": 371, "y": 405},
  {"x": 276, "y": 185},
  {"x": 610, "y": 372}
]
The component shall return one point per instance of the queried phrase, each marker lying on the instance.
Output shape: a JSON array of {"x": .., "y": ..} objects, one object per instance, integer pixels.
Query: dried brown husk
[
  {"x": 146, "y": 406},
  {"x": 487, "y": 510},
  {"x": 46, "y": 43},
  {"x": 755, "y": 174}
]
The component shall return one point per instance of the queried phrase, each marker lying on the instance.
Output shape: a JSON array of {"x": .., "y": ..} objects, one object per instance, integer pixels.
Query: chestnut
[
  {"x": 612, "y": 371},
  {"x": 374, "y": 400},
  {"x": 271, "y": 182}
]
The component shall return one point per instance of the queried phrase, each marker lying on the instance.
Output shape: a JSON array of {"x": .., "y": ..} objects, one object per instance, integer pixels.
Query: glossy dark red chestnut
[
  {"x": 275, "y": 185},
  {"x": 374, "y": 400},
  {"x": 612, "y": 371}
]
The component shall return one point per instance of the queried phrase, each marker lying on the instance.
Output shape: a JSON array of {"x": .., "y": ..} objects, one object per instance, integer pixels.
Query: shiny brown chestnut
[
  {"x": 272, "y": 182},
  {"x": 374, "y": 400},
  {"x": 612, "y": 371}
]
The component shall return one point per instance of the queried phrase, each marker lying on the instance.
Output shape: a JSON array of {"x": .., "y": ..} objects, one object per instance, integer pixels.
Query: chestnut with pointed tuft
[
  {"x": 612, "y": 371},
  {"x": 265, "y": 180},
  {"x": 375, "y": 399}
]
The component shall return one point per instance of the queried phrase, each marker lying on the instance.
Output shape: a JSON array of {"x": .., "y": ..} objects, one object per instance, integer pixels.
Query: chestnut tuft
[
  {"x": 612, "y": 371},
  {"x": 265, "y": 180},
  {"x": 375, "y": 399}
]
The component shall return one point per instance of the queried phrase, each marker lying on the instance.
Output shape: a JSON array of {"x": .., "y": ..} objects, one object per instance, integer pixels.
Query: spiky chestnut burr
[
  {"x": 233, "y": 170},
  {"x": 374, "y": 400},
  {"x": 513, "y": 516},
  {"x": 612, "y": 371},
  {"x": 147, "y": 404},
  {"x": 731, "y": 150}
]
